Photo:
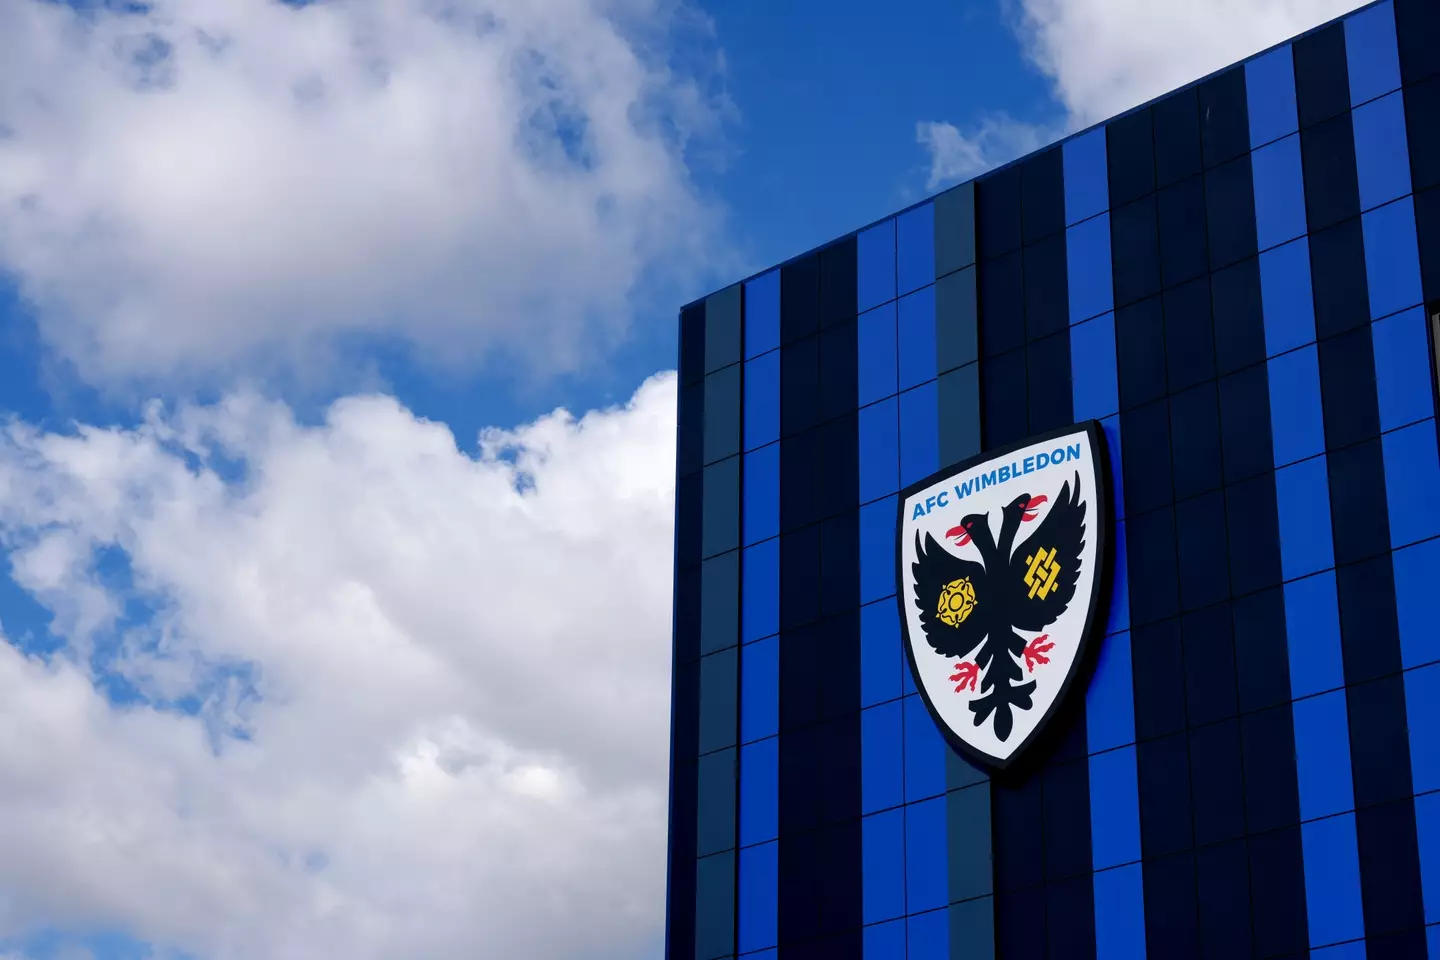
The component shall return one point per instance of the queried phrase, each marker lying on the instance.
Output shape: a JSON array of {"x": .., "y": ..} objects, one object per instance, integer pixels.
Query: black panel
[
  {"x": 1048, "y": 362},
  {"x": 840, "y": 574},
  {"x": 1066, "y": 822},
  {"x": 840, "y": 769},
  {"x": 1200, "y": 533},
  {"x": 1322, "y": 82},
  {"x": 1389, "y": 868},
  {"x": 1183, "y": 253},
  {"x": 1272, "y": 792},
  {"x": 1332, "y": 186},
  {"x": 692, "y": 343},
  {"x": 1195, "y": 439},
  {"x": 1245, "y": 437},
  {"x": 1189, "y": 335},
  {"x": 837, "y": 445},
  {"x": 1171, "y": 910},
  {"x": 799, "y": 580},
  {"x": 1159, "y": 672},
  {"x": 1210, "y": 681},
  {"x": 690, "y": 442},
  {"x": 798, "y": 907},
  {"x": 799, "y": 299},
  {"x": 1427, "y": 229},
  {"x": 1070, "y": 919},
  {"x": 1359, "y": 515},
  {"x": 1369, "y": 628},
  {"x": 1347, "y": 387},
  {"x": 800, "y": 471},
  {"x": 684, "y": 804},
  {"x": 837, "y": 282},
  {"x": 1230, "y": 212},
  {"x": 1043, "y": 194},
  {"x": 1239, "y": 316},
  {"x": 1217, "y": 782},
  {"x": 1262, "y": 661},
  {"x": 1005, "y": 416},
  {"x": 1253, "y": 520},
  {"x": 1277, "y": 894},
  {"x": 1378, "y": 726},
  {"x": 1146, "y": 457},
  {"x": 1177, "y": 137},
  {"x": 839, "y": 365},
  {"x": 997, "y": 210},
  {"x": 1016, "y": 810},
  {"x": 1417, "y": 26},
  {"x": 1224, "y": 117},
  {"x": 1130, "y": 149},
  {"x": 1151, "y": 545},
  {"x": 1422, "y": 130},
  {"x": 1222, "y": 880},
  {"x": 799, "y": 386},
  {"x": 1002, "y": 304},
  {"x": 1140, "y": 352},
  {"x": 1337, "y": 271},
  {"x": 1047, "y": 295},
  {"x": 1135, "y": 246}
]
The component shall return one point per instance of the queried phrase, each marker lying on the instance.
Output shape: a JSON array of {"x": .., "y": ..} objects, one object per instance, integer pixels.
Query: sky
[{"x": 337, "y": 424}]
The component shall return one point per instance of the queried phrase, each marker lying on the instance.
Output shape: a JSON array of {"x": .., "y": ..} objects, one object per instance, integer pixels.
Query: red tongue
[
  {"x": 961, "y": 532},
  {"x": 1030, "y": 508}
]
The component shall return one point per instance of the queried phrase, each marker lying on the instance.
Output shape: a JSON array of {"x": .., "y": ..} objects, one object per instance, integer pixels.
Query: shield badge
[{"x": 1003, "y": 561}]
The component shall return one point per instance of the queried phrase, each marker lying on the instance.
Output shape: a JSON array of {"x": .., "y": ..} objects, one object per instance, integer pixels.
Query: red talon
[
  {"x": 1035, "y": 652},
  {"x": 966, "y": 673},
  {"x": 1030, "y": 508}
]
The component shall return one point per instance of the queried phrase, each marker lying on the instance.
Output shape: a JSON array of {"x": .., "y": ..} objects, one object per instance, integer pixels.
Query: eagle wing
[
  {"x": 937, "y": 569},
  {"x": 1044, "y": 569}
]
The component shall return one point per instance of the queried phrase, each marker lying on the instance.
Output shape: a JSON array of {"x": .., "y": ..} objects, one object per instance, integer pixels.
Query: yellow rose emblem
[{"x": 956, "y": 601}]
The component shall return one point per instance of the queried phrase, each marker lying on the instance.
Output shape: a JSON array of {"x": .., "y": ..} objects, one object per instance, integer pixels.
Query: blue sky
[{"x": 240, "y": 550}]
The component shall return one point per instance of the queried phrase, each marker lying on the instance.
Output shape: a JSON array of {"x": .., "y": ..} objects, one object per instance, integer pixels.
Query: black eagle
[{"x": 965, "y": 605}]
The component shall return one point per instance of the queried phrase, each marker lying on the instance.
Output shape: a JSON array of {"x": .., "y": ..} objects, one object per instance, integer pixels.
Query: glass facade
[{"x": 1234, "y": 280}]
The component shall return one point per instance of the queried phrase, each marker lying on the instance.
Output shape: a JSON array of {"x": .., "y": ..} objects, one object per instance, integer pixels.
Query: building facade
[{"x": 1233, "y": 282}]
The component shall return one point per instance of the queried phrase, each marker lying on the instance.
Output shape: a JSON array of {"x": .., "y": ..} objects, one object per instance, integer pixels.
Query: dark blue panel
[
  {"x": 1279, "y": 193},
  {"x": 1321, "y": 81},
  {"x": 1414, "y": 579},
  {"x": 1195, "y": 435},
  {"x": 762, "y": 314},
  {"x": 799, "y": 386},
  {"x": 1120, "y": 913},
  {"x": 917, "y": 338},
  {"x": 1067, "y": 820},
  {"x": 1151, "y": 542},
  {"x": 1245, "y": 435},
  {"x": 875, "y": 258},
  {"x": 1371, "y": 53},
  {"x": 1164, "y": 776},
  {"x": 1140, "y": 349},
  {"x": 1148, "y": 482},
  {"x": 877, "y": 350},
  {"x": 1042, "y": 194},
  {"x": 1322, "y": 756},
  {"x": 1270, "y": 96},
  {"x": 840, "y": 568},
  {"x": 1239, "y": 318},
  {"x": 1342, "y": 297},
  {"x": 1272, "y": 796},
  {"x": 762, "y": 400},
  {"x": 1047, "y": 306},
  {"x": 1230, "y": 212},
  {"x": 1199, "y": 526},
  {"x": 759, "y": 791},
  {"x": 799, "y": 299},
  {"x": 1382, "y": 160},
  {"x": 839, "y": 361},
  {"x": 1390, "y": 870},
  {"x": 1357, "y": 499},
  {"x": 1332, "y": 189},
  {"x": 1222, "y": 882},
  {"x": 760, "y": 686},
  {"x": 715, "y": 907},
  {"x": 1347, "y": 377},
  {"x": 1417, "y": 25},
  {"x": 799, "y": 578},
  {"x": 997, "y": 212},
  {"x": 1109, "y": 703},
  {"x": 1303, "y": 494},
  {"x": 1277, "y": 894},
  {"x": 1261, "y": 666},
  {"x": 1224, "y": 118},
  {"x": 1332, "y": 880},
  {"x": 1189, "y": 335},
  {"x": 1402, "y": 370},
  {"x": 719, "y": 700},
  {"x": 1159, "y": 679},
  {"x": 1287, "y": 297},
  {"x": 915, "y": 248},
  {"x": 1217, "y": 783},
  {"x": 1087, "y": 188},
  {"x": 1114, "y": 808},
  {"x": 1412, "y": 475},
  {"x": 1183, "y": 255},
  {"x": 1171, "y": 911},
  {"x": 692, "y": 343},
  {"x": 1210, "y": 683},
  {"x": 882, "y": 764},
  {"x": 1422, "y": 113},
  {"x": 1369, "y": 629},
  {"x": 1048, "y": 376},
  {"x": 1019, "y": 852},
  {"x": 759, "y": 888},
  {"x": 1377, "y": 715},
  {"x": 1002, "y": 304},
  {"x": 1177, "y": 137},
  {"x": 1392, "y": 258},
  {"x": 719, "y": 602},
  {"x": 762, "y": 494},
  {"x": 1070, "y": 918},
  {"x": 1130, "y": 148},
  {"x": 1135, "y": 240},
  {"x": 838, "y": 283},
  {"x": 884, "y": 858},
  {"x": 882, "y": 657},
  {"x": 1311, "y": 613}
]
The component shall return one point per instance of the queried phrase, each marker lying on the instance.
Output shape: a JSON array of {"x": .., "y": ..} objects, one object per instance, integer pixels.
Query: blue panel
[
  {"x": 759, "y": 892},
  {"x": 1332, "y": 880},
  {"x": 915, "y": 248},
  {"x": 877, "y": 550},
  {"x": 875, "y": 265},
  {"x": 1296, "y": 416},
  {"x": 1402, "y": 369},
  {"x": 1371, "y": 56},
  {"x": 881, "y": 657},
  {"x": 760, "y": 690},
  {"x": 1279, "y": 192},
  {"x": 761, "y": 519},
  {"x": 1322, "y": 755},
  {"x": 919, "y": 433},
  {"x": 1422, "y": 709},
  {"x": 885, "y": 941},
  {"x": 929, "y": 936},
  {"x": 1382, "y": 158},
  {"x": 882, "y": 760},
  {"x": 759, "y": 791},
  {"x": 917, "y": 338},
  {"x": 1119, "y": 612},
  {"x": 1392, "y": 258},
  {"x": 1095, "y": 388},
  {"x": 927, "y": 867},
  {"x": 1110, "y": 701},
  {"x": 879, "y": 449},
  {"x": 1087, "y": 181},
  {"x": 1427, "y": 826},
  {"x": 1312, "y": 618},
  {"x": 1287, "y": 297},
  {"x": 925, "y": 751},
  {"x": 1087, "y": 252},
  {"x": 760, "y": 591},
  {"x": 762, "y": 400},
  {"x": 882, "y": 852},
  {"x": 878, "y": 363},
  {"x": 1302, "y": 493},
  {"x": 1120, "y": 914},
  {"x": 715, "y": 907},
  {"x": 1117, "y": 479},
  {"x": 1416, "y": 570},
  {"x": 1412, "y": 477},
  {"x": 1114, "y": 808},
  {"x": 1270, "y": 92},
  {"x": 762, "y": 314},
  {"x": 1355, "y": 950}
]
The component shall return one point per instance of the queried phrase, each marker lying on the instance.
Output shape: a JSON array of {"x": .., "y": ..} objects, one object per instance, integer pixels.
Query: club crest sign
[{"x": 1000, "y": 575}]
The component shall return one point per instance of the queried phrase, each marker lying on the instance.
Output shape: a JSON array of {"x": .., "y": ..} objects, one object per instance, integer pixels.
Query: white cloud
[
  {"x": 232, "y": 185},
  {"x": 1106, "y": 56},
  {"x": 459, "y": 743}
]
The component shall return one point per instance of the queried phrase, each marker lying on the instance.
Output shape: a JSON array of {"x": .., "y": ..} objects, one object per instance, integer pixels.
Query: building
[{"x": 1232, "y": 281}]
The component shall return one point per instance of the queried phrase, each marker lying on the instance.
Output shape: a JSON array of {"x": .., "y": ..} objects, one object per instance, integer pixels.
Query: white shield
[{"x": 1002, "y": 564}]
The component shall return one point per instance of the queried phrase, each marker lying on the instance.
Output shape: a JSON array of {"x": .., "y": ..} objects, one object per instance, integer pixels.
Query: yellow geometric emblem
[
  {"x": 1042, "y": 572},
  {"x": 956, "y": 601}
]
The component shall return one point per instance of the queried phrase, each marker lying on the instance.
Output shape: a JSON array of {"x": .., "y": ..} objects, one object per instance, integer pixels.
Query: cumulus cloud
[
  {"x": 386, "y": 700},
  {"x": 1105, "y": 56},
  {"x": 199, "y": 186}
]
